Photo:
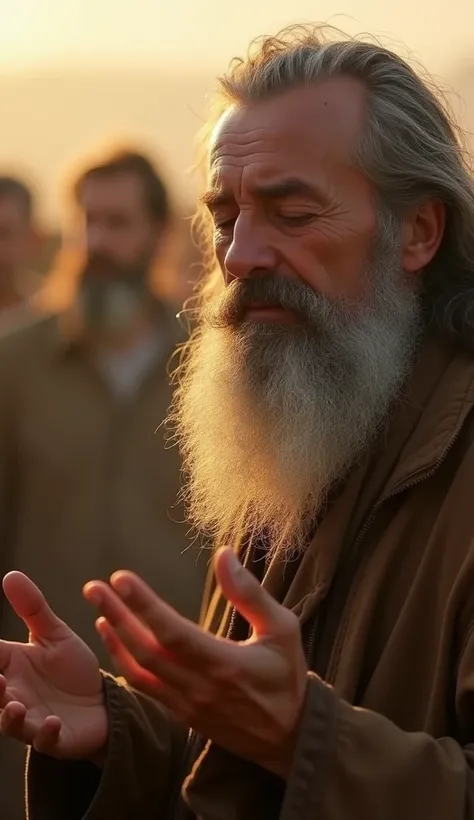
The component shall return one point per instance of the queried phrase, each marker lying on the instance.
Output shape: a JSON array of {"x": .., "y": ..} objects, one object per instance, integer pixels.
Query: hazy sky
[
  {"x": 60, "y": 32},
  {"x": 157, "y": 59}
]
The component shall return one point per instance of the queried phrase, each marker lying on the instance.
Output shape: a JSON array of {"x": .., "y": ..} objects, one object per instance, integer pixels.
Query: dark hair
[
  {"x": 131, "y": 162},
  {"x": 13, "y": 188}
]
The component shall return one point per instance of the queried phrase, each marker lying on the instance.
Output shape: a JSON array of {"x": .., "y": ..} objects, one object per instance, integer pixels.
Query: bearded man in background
[{"x": 87, "y": 483}]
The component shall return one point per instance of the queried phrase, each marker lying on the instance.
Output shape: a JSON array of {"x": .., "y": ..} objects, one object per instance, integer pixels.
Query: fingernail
[
  {"x": 235, "y": 565},
  {"x": 100, "y": 625},
  {"x": 93, "y": 595},
  {"x": 121, "y": 585}
]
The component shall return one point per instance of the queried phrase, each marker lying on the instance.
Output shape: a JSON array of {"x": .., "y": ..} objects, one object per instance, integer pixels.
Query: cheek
[{"x": 332, "y": 262}]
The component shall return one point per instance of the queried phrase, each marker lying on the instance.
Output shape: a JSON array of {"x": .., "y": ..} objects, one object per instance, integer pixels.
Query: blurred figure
[
  {"x": 86, "y": 483},
  {"x": 19, "y": 243}
]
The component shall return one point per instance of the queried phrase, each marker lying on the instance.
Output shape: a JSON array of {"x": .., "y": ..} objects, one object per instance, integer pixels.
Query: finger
[
  {"x": 113, "y": 609},
  {"x": 30, "y": 605},
  {"x": 141, "y": 645},
  {"x": 186, "y": 641},
  {"x": 133, "y": 633},
  {"x": 243, "y": 590},
  {"x": 47, "y": 738},
  {"x": 5, "y": 694},
  {"x": 127, "y": 666},
  {"x": 12, "y": 722}
]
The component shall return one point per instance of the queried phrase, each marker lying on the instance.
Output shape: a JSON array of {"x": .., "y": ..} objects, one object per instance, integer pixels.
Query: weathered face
[
  {"x": 117, "y": 228},
  {"x": 304, "y": 348},
  {"x": 16, "y": 240},
  {"x": 285, "y": 194},
  {"x": 121, "y": 243}
]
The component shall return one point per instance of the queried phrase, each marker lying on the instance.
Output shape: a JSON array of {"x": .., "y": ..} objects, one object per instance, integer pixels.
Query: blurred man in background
[
  {"x": 86, "y": 483},
  {"x": 18, "y": 247}
]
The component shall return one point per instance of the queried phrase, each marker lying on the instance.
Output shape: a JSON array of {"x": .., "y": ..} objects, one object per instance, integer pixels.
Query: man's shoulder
[{"x": 29, "y": 334}]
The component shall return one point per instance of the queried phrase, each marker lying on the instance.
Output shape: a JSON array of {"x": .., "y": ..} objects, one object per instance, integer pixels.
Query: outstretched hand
[
  {"x": 246, "y": 697},
  {"x": 50, "y": 688}
]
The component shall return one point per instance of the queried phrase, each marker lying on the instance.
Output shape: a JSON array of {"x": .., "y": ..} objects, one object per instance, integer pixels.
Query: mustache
[
  {"x": 99, "y": 263},
  {"x": 272, "y": 290},
  {"x": 102, "y": 268}
]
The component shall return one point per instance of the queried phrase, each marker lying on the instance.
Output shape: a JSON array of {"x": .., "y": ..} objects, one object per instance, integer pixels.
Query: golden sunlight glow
[
  {"x": 155, "y": 31},
  {"x": 75, "y": 73}
]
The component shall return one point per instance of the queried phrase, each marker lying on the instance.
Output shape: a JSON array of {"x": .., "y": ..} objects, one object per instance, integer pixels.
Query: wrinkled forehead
[
  {"x": 113, "y": 192},
  {"x": 304, "y": 125}
]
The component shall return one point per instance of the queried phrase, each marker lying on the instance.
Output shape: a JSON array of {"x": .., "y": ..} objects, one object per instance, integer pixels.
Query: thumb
[
  {"x": 241, "y": 588},
  {"x": 30, "y": 605}
]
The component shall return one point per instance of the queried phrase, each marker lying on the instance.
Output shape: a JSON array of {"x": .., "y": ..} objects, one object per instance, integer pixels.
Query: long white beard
[
  {"x": 114, "y": 307},
  {"x": 269, "y": 417}
]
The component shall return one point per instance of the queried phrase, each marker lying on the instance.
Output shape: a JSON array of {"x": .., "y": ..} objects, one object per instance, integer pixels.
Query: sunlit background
[{"x": 76, "y": 74}]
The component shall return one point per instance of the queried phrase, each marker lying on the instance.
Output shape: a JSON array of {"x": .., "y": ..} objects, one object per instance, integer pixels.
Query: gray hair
[{"x": 411, "y": 148}]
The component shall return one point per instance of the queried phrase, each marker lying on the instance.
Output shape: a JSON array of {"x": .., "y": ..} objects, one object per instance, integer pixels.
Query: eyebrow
[{"x": 216, "y": 197}]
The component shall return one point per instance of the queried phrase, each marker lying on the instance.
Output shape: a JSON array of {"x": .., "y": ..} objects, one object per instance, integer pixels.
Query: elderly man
[{"x": 325, "y": 418}]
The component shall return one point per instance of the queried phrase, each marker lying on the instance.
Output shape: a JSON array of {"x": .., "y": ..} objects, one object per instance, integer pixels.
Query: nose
[
  {"x": 250, "y": 250},
  {"x": 96, "y": 239}
]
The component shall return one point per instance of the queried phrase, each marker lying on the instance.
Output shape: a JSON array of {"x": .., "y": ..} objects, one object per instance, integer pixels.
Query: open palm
[{"x": 50, "y": 688}]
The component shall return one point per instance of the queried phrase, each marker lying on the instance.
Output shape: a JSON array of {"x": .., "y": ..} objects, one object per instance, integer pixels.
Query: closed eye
[
  {"x": 297, "y": 219},
  {"x": 225, "y": 224}
]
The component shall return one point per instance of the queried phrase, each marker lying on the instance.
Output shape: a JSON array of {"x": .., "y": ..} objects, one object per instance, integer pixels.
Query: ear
[{"x": 422, "y": 231}]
